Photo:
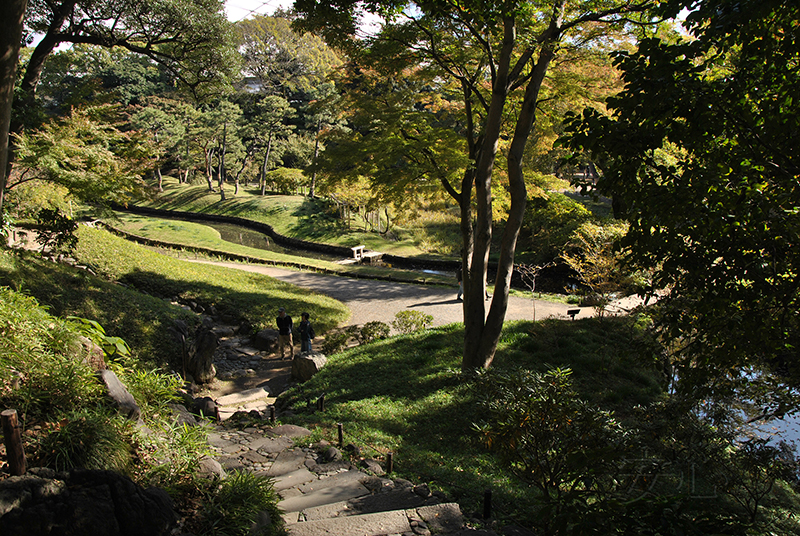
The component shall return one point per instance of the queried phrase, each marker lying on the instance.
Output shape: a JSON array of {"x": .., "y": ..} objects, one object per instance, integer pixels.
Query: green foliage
[
  {"x": 39, "y": 351},
  {"x": 87, "y": 153},
  {"x": 372, "y": 331},
  {"x": 411, "y": 321},
  {"x": 171, "y": 454},
  {"x": 92, "y": 438},
  {"x": 706, "y": 174},
  {"x": 112, "y": 346},
  {"x": 151, "y": 389},
  {"x": 55, "y": 230},
  {"x": 6, "y": 224},
  {"x": 538, "y": 426},
  {"x": 550, "y": 221},
  {"x": 235, "y": 506},
  {"x": 285, "y": 180},
  {"x": 592, "y": 252},
  {"x": 335, "y": 342}
]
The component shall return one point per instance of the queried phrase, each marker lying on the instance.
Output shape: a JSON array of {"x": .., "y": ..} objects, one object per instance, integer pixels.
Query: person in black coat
[{"x": 284, "y": 322}]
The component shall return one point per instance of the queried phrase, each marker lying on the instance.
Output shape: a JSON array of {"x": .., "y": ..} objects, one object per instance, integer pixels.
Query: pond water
[{"x": 247, "y": 237}]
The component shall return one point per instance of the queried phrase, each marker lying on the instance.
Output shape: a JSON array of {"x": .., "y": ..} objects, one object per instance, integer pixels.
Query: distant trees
[{"x": 189, "y": 38}]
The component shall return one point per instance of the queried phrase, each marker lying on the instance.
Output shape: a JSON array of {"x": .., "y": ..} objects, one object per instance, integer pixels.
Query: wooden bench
[{"x": 358, "y": 252}]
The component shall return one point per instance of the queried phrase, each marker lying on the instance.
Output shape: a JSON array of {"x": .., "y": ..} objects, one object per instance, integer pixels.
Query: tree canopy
[
  {"x": 494, "y": 57},
  {"x": 701, "y": 154}
]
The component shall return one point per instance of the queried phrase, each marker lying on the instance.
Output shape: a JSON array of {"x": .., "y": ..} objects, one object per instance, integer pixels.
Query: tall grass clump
[
  {"x": 39, "y": 368},
  {"x": 91, "y": 438},
  {"x": 242, "y": 504}
]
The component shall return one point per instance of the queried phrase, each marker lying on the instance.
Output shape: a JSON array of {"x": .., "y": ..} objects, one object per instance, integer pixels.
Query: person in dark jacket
[
  {"x": 460, "y": 278},
  {"x": 284, "y": 322},
  {"x": 306, "y": 332}
]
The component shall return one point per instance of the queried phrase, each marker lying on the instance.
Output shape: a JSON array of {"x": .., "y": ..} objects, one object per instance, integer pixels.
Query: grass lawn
[
  {"x": 190, "y": 234},
  {"x": 407, "y": 395},
  {"x": 290, "y": 215}
]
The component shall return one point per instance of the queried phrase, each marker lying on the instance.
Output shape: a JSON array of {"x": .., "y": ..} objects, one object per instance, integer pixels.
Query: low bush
[
  {"x": 410, "y": 321},
  {"x": 372, "y": 331}
]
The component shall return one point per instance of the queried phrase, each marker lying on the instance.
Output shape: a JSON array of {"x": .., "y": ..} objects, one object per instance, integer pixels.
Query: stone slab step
[
  {"x": 338, "y": 479},
  {"x": 380, "y": 524},
  {"x": 294, "y": 479},
  {"x": 243, "y": 397},
  {"x": 341, "y": 492},
  {"x": 287, "y": 462}
]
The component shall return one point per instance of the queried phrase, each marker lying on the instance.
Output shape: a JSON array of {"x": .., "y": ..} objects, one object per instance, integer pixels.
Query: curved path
[{"x": 370, "y": 299}]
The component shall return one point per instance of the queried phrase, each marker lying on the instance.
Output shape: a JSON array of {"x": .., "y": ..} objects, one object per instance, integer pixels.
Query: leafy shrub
[
  {"x": 112, "y": 346},
  {"x": 93, "y": 438},
  {"x": 410, "y": 321},
  {"x": 152, "y": 389},
  {"x": 285, "y": 180},
  {"x": 236, "y": 505},
  {"x": 593, "y": 256},
  {"x": 335, "y": 342},
  {"x": 548, "y": 226},
  {"x": 39, "y": 351},
  {"x": 372, "y": 331},
  {"x": 55, "y": 230}
]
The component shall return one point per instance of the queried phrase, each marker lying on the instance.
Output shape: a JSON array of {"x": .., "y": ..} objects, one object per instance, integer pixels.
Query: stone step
[
  {"x": 243, "y": 397},
  {"x": 339, "y": 492},
  {"x": 437, "y": 519},
  {"x": 380, "y": 524}
]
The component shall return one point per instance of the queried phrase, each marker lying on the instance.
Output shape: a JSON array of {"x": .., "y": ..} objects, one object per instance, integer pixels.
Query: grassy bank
[
  {"x": 294, "y": 216},
  {"x": 406, "y": 395},
  {"x": 197, "y": 235},
  {"x": 138, "y": 292}
]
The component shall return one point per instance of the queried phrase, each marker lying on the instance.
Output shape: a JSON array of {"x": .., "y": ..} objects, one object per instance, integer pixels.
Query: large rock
[
  {"x": 93, "y": 354},
  {"x": 119, "y": 395},
  {"x": 266, "y": 340},
  {"x": 305, "y": 366},
  {"x": 201, "y": 359},
  {"x": 82, "y": 503}
]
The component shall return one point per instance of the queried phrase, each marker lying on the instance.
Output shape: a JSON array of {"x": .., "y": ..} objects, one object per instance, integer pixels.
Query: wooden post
[
  {"x": 487, "y": 504},
  {"x": 341, "y": 435},
  {"x": 13, "y": 439},
  {"x": 389, "y": 462}
]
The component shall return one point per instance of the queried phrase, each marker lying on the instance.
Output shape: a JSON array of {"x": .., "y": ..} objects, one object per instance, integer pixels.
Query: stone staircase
[{"x": 324, "y": 494}]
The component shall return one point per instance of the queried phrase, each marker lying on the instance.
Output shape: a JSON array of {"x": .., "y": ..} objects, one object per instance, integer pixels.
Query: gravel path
[{"x": 370, "y": 300}]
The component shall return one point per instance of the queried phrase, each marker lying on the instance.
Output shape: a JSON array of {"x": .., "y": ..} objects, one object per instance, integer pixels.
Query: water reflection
[{"x": 243, "y": 236}]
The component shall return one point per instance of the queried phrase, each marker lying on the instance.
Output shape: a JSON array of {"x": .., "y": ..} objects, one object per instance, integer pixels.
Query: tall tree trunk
[
  {"x": 221, "y": 173},
  {"x": 313, "y": 187},
  {"x": 486, "y": 344},
  {"x": 10, "y": 37},
  {"x": 209, "y": 154},
  {"x": 475, "y": 328},
  {"x": 264, "y": 166}
]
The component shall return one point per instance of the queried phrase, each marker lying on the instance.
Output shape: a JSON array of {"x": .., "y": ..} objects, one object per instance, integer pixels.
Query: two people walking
[{"x": 285, "y": 327}]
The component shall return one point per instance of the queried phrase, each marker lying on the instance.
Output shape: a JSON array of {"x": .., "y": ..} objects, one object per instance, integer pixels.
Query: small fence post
[
  {"x": 487, "y": 504},
  {"x": 341, "y": 435},
  {"x": 13, "y": 440},
  {"x": 389, "y": 462}
]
